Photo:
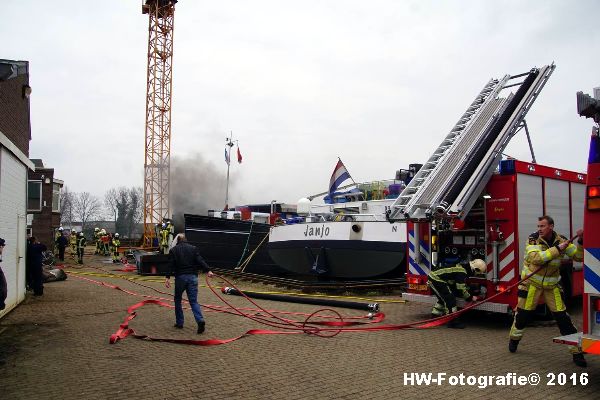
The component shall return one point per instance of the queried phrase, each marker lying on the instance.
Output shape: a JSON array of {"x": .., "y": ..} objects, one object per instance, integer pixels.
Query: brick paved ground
[{"x": 56, "y": 347}]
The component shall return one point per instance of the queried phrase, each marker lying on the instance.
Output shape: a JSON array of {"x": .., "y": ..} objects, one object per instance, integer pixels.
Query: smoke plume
[{"x": 196, "y": 187}]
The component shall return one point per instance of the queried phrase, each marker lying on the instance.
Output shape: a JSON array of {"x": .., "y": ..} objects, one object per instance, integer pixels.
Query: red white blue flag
[{"x": 340, "y": 174}]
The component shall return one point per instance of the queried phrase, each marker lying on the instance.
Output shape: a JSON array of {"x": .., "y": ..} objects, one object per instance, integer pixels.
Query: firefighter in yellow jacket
[
  {"x": 115, "y": 248},
  {"x": 97, "y": 241},
  {"x": 165, "y": 238},
  {"x": 543, "y": 253},
  {"x": 73, "y": 243}
]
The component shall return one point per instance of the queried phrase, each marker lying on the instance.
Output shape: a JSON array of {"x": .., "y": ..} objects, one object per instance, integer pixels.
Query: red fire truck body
[
  {"x": 496, "y": 230},
  {"x": 589, "y": 339}
]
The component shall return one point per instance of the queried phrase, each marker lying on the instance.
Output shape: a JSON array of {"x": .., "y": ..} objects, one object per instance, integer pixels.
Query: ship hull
[
  {"x": 226, "y": 243},
  {"x": 351, "y": 250}
]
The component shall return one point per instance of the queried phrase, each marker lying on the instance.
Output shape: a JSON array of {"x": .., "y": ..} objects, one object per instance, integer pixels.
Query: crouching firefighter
[
  {"x": 447, "y": 283},
  {"x": 543, "y": 253}
]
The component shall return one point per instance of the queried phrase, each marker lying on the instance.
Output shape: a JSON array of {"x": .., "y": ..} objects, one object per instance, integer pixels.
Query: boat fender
[{"x": 356, "y": 228}]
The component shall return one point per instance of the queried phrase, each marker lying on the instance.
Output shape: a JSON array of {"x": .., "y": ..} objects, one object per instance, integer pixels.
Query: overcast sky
[{"x": 377, "y": 83}]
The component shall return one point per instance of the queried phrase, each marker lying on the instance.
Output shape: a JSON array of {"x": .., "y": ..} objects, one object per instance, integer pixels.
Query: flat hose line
[{"x": 330, "y": 329}]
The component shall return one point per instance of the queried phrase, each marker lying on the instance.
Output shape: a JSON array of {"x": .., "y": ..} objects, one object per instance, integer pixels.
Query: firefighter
[
  {"x": 73, "y": 243},
  {"x": 543, "y": 253},
  {"x": 104, "y": 243},
  {"x": 448, "y": 282},
  {"x": 97, "y": 241},
  {"x": 115, "y": 247},
  {"x": 80, "y": 247},
  {"x": 165, "y": 238}
]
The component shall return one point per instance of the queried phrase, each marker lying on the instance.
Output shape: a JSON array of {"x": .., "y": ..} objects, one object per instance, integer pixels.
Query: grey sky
[{"x": 378, "y": 83}]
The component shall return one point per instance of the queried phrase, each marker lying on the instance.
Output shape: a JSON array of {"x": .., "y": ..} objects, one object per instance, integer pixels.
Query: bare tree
[
  {"x": 126, "y": 205},
  {"x": 66, "y": 207},
  {"x": 111, "y": 199},
  {"x": 86, "y": 207},
  {"x": 136, "y": 209}
]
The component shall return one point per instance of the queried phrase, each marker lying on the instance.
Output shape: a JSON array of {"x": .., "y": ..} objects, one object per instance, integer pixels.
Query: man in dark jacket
[
  {"x": 184, "y": 263},
  {"x": 61, "y": 242},
  {"x": 35, "y": 255}
]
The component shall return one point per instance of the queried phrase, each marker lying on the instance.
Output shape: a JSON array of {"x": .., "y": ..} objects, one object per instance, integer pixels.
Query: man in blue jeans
[{"x": 184, "y": 263}]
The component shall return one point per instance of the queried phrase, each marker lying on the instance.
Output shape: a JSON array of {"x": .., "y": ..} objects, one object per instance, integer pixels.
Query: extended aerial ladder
[
  {"x": 158, "y": 114},
  {"x": 449, "y": 183}
]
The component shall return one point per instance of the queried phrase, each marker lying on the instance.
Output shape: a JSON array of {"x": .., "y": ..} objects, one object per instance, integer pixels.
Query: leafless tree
[
  {"x": 111, "y": 199},
  {"x": 126, "y": 205},
  {"x": 66, "y": 207},
  {"x": 86, "y": 207},
  {"x": 136, "y": 209}
]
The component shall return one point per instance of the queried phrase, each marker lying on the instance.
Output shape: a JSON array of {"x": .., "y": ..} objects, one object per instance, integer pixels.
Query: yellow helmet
[{"x": 478, "y": 266}]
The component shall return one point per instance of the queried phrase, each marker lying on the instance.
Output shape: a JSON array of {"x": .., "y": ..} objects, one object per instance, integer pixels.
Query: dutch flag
[{"x": 340, "y": 174}]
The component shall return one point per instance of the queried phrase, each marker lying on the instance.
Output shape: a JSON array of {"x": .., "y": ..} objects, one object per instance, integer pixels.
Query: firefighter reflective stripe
[
  {"x": 535, "y": 254},
  {"x": 552, "y": 297},
  {"x": 571, "y": 250},
  {"x": 439, "y": 309},
  {"x": 540, "y": 280},
  {"x": 591, "y": 271},
  {"x": 532, "y": 299}
]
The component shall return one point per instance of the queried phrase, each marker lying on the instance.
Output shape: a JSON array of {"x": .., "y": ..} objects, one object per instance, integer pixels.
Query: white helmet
[
  {"x": 116, "y": 235},
  {"x": 60, "y": 229},
  {"x": 103, "y": 232},
  {"x": 80, "y": 234},
  {"x": 478, "y": 266}
]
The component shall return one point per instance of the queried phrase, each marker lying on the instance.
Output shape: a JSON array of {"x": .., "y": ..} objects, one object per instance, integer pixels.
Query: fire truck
[
  {"x": 589, "y": 339},
  {"x": 496, "y": 230},
  {"x": 466, "y": 202}
]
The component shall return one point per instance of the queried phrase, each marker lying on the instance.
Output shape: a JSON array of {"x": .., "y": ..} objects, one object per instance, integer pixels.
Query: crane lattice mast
[{"x": 158, "y": 114}]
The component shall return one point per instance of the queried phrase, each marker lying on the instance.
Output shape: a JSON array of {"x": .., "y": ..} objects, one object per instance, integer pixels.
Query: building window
[
  {"x": 55, "y": 197},
  {"x": 34, "y": 196}
]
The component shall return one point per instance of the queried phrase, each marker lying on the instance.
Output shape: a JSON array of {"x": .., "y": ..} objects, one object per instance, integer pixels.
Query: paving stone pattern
[{"x": 56, "y": 347}]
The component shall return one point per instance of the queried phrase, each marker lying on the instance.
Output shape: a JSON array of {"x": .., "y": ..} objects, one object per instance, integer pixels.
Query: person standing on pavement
[
  {"x": 184, "y": 262},
  {"x": 80, "y": 247},
  {"x": 61, "y": 242},
  {"x": 116, "y": 243},
  {"x": 35, "y": 255},
  {"x": 445, "y": 282},
  {"x": 543, "y": 253},
  {"x": 3, "y": 285},
  {"x": 73, "y": 244}
]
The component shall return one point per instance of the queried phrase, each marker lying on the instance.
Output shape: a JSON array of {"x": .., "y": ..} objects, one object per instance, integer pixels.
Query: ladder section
[
  {"x": 497, "y": 140},
  {"x": 449, "y": 183},
  {"x": 410, "y": 198}
]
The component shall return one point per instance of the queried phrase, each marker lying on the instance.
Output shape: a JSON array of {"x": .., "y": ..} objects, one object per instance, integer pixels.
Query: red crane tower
[{"x": 158, "y": 114}]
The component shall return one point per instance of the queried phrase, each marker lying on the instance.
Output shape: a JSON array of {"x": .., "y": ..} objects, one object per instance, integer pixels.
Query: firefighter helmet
[
  {"x": 80, "y": 234},
  {"x": 478, "y": 266},
  {"x": 60, "y": 229},
  {"x": 96, "y": 229},
  {"x": 116, "y": 235}
]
